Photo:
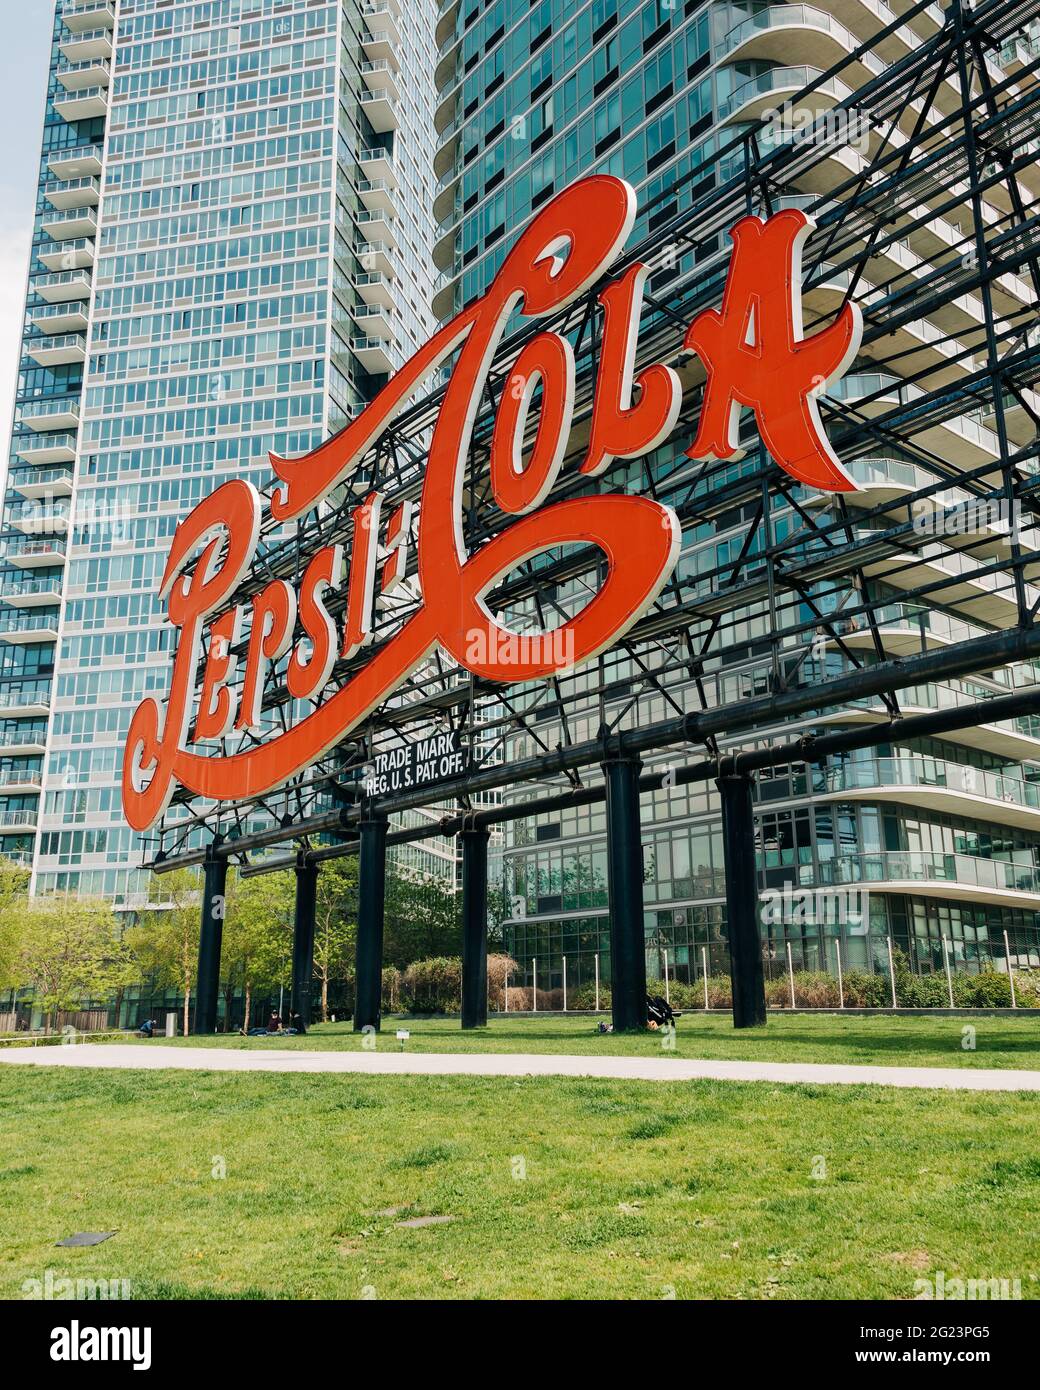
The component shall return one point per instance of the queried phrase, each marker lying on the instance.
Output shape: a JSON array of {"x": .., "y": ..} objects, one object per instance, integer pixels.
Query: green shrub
[{"x": 432, "y": 986}]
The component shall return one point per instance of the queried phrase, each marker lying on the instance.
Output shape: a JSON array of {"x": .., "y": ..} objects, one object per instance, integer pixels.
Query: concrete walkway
[{"x": 150, "y": 1057}]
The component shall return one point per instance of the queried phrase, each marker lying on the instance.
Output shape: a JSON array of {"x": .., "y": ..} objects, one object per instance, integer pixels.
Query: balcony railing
[
  {"x": 35, "y": 737},
  {"x": 28, "y": 622},
  {"x": 13, "y": 590},
  {"x": 912, "y": 866},
  {"x": 18, "y": 819},
  {"x": 868, "y": 774}
]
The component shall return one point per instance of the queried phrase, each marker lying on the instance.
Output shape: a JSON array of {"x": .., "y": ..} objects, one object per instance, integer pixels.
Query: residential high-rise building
[
  {"x": 942, "y": 831},
  {"x": 232, "y": 249}
]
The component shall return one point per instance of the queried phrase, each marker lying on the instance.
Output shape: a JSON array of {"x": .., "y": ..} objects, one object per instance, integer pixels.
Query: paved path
[{"x": 390, "y": 1063}]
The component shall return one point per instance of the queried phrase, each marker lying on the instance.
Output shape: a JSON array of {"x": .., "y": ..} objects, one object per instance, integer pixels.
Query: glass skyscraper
[
  {"x": 232, "y": 249},
  {"x": 943, "y": 832}
]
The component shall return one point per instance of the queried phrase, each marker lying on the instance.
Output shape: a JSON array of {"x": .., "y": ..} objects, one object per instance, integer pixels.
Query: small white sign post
[
  {"x": 891, "y": 970},
  {"x": 565, "y": 984},
  {"x": 534, "y": 984},
  {"x": 790, "y": 973},
  {"x": 704, "y": 967},
  {"x": 841, "y": 981},
  {"x": 596, "y": 961}
]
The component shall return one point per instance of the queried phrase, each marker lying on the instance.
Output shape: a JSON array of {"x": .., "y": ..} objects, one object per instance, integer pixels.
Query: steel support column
[
  {"x": 368, "y": 994},
  {"x": 211, "y": 932},
  {"x": 474, "y": 926},
  {"x": 745, "y": 947},
  {"x": 303, "y": 938},
  {"x": 625, "y": 891}
]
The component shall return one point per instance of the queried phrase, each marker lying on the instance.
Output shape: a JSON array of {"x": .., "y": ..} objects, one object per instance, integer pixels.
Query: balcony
[
  {"x": 88, "y": 46},
  {"x": 70, "y": 224},
  {"x": 378, "y": 165},
  {"x": 378, "y": 227},
  {"x": 24, "y": 628},
  {"x": 34, "y": 519},
  {"x": 60, "y": 351},
  {"x": 47, "y": 448},
  {"x": 63, "y": 286},
  {"x": 82, "y": 16},
  {"x": 70, "y": 255},
  {"x": 23, "y": 741},
  {"x": 29, "y": 593},
  {"x": 384, "y": 32},
  {"x": 751, "y": 98},
  {"x": 374, "y": 320},
  {"x": 36, "y": 552},
  {"x": 60, "y": 318},
  {"x": 963, "y": 877},
  {"x": 379, "y": 75},
  {"x": 22, "y": 781},
  {"x": 374, "y": 288},
  {"x": 81, "y": 77},
  {"x": 74, "y": 193},
  {"x": 18, "y": 820},
  {"x": 379, "y": 107},
  {"x": 377, "y": 196},
  {"x": 51, "y": 415},
  {"x": 87, "y": 105},
  {"x": 373, "y": 354},
  {"x": 375, "y": 257},
  {"x": 936, "y": 785},
  {"x": 41, "y": 482},
  {"x": 82, "y": 162},
  {"x": 31, "y": 703}
]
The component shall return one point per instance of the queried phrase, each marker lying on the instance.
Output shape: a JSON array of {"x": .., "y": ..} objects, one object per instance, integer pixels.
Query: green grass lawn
[
  {"x": 879, "y": 1039},
  {"x": 555, "y": 1187}
]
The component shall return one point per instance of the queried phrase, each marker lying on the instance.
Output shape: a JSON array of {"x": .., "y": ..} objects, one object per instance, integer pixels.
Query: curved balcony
[
  {"x": 1017, "y": 738},
  {"x": 905, "y": 629},
  {"x": 750, "y": 99},
  {"x": 818, "y": 37},
  {"x": 933, "y": 784},
  {"x": 962, "y": 877}
]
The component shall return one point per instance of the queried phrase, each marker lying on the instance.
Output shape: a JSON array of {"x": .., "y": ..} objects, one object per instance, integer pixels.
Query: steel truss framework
[{"x": 953, "y": 142}]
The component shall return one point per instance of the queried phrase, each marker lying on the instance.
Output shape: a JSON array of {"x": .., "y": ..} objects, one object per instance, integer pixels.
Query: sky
[{"x": 24, "y": 56}]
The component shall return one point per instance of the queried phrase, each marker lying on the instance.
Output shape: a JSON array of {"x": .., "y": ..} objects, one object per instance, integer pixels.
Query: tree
[
  {"x": 335, "y": 925},
  {"x": 257, "y": 949},
  {"x": 14, "y": 905},
  {"x": 72, "y": 951},
  {"x": 166, "y": 946},
  {"x": 422, "y": 920}
]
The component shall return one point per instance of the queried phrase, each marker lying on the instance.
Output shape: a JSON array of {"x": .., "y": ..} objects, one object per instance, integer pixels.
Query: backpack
[{"x": 659, "y": 1011}]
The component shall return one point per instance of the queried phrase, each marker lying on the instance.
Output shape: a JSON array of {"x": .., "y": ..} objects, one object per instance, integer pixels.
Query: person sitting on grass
[{"x": 274, "y": 1023}]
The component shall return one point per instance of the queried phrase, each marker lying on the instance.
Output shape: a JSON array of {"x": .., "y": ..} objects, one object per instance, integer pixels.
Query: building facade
[
  {"x": 932, "y": 844},
  {"x": 232, "y": 249}
]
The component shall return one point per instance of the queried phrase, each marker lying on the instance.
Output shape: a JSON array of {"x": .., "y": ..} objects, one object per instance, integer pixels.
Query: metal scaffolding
[{"x": 942, "y": 390}]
